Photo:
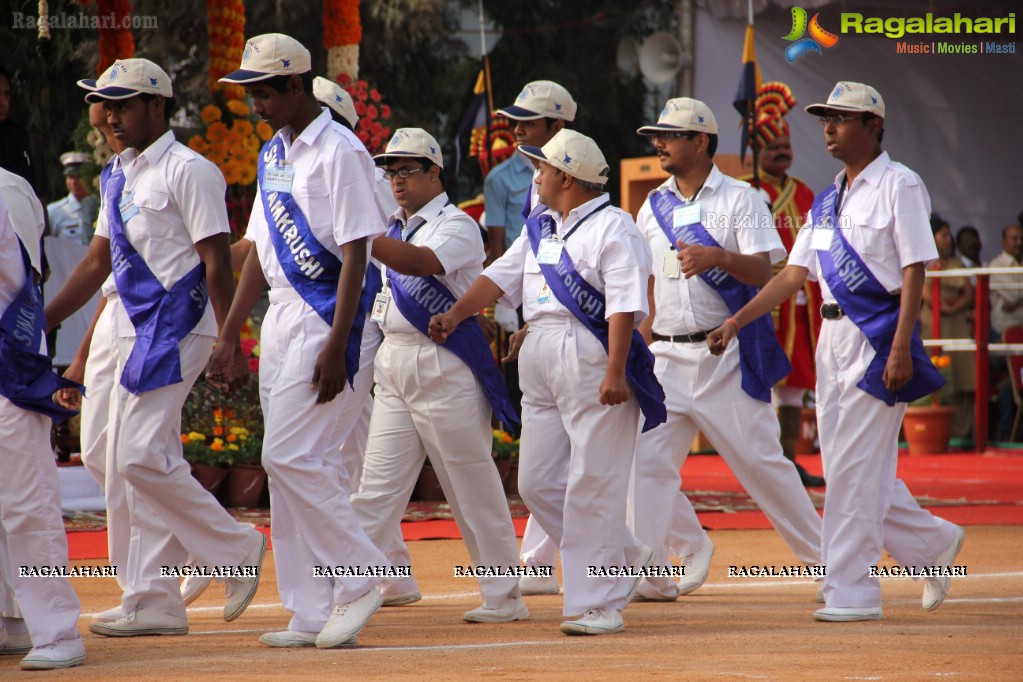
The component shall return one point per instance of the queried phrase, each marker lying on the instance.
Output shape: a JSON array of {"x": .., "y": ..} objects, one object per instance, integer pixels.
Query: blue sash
[
  {"x": 372, "y": 286},
  {"x": 26, "y": 375},
  {"x": 870, "y": 307},
  {"x": 762, "y": 362},
  {"x": 161, "y": 318},
  {"x": 420, "y": 298},
  {"x": 310, "y": 268},
  {"x": 588, "y": 304}
]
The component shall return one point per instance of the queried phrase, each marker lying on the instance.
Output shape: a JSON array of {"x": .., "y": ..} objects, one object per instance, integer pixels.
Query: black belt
[
  {"x": 832, "y": 311},
  {"x": 682, "y": 338}
]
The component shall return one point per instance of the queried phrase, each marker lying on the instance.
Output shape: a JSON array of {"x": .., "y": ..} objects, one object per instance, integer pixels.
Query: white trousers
[
  {"x": 32, "y": 523},
  {"x": 311, "y": 519},
  {"x": 429, "y": 404},
  {"x": 353, "y": 448},
  {"x": 575, "y": 458},
  {"x": 703, "y": 393},
  {"x": 171, "y": 515},
  {"x": 866, "y": 507},
  {"x": 537, "y": 547},
  {"x": 101, "y": 381}
]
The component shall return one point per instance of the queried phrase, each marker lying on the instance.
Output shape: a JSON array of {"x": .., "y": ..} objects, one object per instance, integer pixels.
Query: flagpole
[
  {"x": 486, "y": 83},
  {"x": 753, "y": 120}
]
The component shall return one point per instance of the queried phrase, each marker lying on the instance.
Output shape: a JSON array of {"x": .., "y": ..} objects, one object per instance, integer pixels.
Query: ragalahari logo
[{"x": 818, "y": 38}]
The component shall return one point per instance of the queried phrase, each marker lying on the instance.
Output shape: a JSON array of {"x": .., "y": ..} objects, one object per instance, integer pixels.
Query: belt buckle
[{"x": 832, "y": 311}]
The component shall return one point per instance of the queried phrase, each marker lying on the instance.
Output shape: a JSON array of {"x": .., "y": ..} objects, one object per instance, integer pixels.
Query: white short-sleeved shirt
[
  {"x": 885, "y": 217},
  {"x": 607, "y": 251},
  {"x": 180, "y": 200},
  {"x": 334, "y": 187},
  {"x": 738, "y": 219},
  {"x": 26, "y": 216},
  {"x": 454, "y": 237}
]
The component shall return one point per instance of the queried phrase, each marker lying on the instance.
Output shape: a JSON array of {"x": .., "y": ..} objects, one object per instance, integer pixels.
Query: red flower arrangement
[
  {"x": 115, "y": 43},
  {"x": 374, "y": 115}
]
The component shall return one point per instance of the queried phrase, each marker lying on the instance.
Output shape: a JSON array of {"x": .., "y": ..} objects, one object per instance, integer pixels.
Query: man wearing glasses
[
  {"x": 870, "y": 360},
  {"x": 433, "y": 400},
  {"x": 713, "y": 241}
]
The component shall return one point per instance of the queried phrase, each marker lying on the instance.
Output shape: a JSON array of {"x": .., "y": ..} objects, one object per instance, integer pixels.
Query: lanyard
[{"x": 584, "y": 219}]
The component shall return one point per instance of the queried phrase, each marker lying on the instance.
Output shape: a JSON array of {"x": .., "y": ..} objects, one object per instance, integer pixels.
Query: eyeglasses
[
  {"x": 401, "y": 173},
  {"x": 837, "y": 119},
  {"x": 662, "y": 135}
]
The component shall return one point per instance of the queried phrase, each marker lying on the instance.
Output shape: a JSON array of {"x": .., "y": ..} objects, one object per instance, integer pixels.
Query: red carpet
[{"x": 967, "y": 489}]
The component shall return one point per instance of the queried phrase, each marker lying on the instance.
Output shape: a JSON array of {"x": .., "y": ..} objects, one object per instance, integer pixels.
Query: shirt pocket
[
  {"x": 314, "y": 199},
  {"x": 875, "y": 239},
  {"x": 150, "y": 221}
]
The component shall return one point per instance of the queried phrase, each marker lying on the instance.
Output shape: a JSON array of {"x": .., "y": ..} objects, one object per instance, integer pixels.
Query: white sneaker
[
  {"x": 141, "y": 622},
  {"x": 936, "y": 588},
  {"x": 538, "y": 584},
  {"x": 193, "y": 586},
  {"x": 513, "y": 610},
  {"x": 16, "y": 644},
  {"x": 847, "y": 614},
  {"x": 403, "y": 599},
  {"x": 595, "y": 622},
  {"x": 108, "y": 616},
  {"x": 697, "y": 567},
  {"x": 240, "y": 591},
  {"x": 66, "y": 653},
  {"x": 647, "y": 592},
  {"x": 292, "y": 639},
  {"x": 348, "y": 619},
  {"x": 819, "y": 597}
]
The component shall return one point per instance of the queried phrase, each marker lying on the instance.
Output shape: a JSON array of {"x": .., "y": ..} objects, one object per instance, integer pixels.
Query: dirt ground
[{"x": 730, "y": 629}]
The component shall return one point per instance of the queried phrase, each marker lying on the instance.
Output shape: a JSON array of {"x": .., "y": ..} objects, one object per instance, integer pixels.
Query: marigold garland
[
  {"x": 115, "y": 43},
  {"x": 342, "y": 32},
  {"x": 226, "y": 26}
]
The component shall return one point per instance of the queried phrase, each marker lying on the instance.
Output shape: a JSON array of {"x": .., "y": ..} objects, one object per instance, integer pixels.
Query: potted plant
[
  {"x": 927, "y": 424},
  {"x": 506, "y": 459},
  {"x": 207, "y": 459}
]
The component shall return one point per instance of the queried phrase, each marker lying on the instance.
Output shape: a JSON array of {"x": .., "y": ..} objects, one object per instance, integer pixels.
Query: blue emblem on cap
[
  {"x": 699, "y": 119},
  {"x": 433, "y": 150},
  {"x": 557, "y": 107},
  {"x": 339, "y": 99},
  {"x": 396, "y": 140},
  {"x": 285, "y": 63},
  {"x": 873, "y": 100},
  {"x": 113, "y": 75},
  {"x": 665, "y": 111},
  {"x": 152, "y": 82},
  {"x": 837, "y": 93},
  {"x": 246, "y": 53},
  {"x": 567, "y": 160}
]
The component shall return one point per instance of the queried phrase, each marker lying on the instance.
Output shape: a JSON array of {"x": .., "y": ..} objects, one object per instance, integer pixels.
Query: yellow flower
[
  {"x": 210, "y": 113},
  {"x": 232, "y": 447},
  {"x": 196, "y": 436}
]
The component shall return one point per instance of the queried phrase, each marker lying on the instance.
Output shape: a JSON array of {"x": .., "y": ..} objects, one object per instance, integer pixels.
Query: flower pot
[
  {"x": 245, "y": 485},
  {"x": 807, "y": 442},
  {"x": 511, "y": 484},
  {"x": 505, "y": 471},
  {"x": 428, "y": 485},
  {"x": 210, "y": 478},
  {"x": 928, "y": 429}
]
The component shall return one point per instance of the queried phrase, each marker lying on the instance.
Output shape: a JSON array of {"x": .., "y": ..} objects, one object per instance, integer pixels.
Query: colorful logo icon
[{"x": 818, "y": 38}]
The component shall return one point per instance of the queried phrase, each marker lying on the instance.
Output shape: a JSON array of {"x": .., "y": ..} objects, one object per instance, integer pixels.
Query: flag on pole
[
  {"x": 749, "y": 85},
  {"x": 475, "y": 122}
]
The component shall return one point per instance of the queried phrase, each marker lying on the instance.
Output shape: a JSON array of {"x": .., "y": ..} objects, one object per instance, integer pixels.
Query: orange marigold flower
[
  {"x": 210, "y": 113},
  {"x": 264, "y": 131},
  {"x": 238, "y": 108}
]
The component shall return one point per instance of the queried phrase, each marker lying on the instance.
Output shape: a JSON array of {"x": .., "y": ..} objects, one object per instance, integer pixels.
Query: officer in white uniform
[
  {"x": 882, "y": 210},
  {"x": 74, "y": 216},
  {"x": 706, "y": 393},
  {"x": 165, "y": 217},
  {"x": 428, "y": 400},
  {"x": 312, "y": 218},
  {"x": 31, "y": 528},
  {"x": 579, "y": 412}
]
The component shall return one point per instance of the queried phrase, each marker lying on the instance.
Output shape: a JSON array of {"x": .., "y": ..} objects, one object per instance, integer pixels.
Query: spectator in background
[
  {"x": 956, "y": 293},
  {"x": 74, "y": 216},
  {"x": 1007, "y": 304},
  {"x": 968, "y": 244},
  {"x": 18, "y": 151}
]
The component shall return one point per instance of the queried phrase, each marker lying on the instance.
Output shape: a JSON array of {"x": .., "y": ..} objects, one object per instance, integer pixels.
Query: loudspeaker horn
[
  {"x": 627, "y": 56},
  {"x": 660, "y": 58}
]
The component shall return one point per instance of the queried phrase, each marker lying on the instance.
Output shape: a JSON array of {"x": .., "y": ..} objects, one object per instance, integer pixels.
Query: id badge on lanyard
[
  {"x": 550, "y": 250},
  {"x": 278, "y": 178}
]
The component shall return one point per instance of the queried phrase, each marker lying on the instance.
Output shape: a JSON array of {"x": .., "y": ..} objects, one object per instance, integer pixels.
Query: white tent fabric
[{"x": 954, "y": 119}]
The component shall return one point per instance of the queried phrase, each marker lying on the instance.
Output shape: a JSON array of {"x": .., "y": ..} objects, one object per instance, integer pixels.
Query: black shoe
[{"x": 808, "y": 479}]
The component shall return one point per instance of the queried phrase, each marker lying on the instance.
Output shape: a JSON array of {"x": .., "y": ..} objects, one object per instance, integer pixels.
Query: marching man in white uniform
[
  {"x": 727, "y": 246},
  {"x": 310, "y": 224},
  {"x": 579, "y": 268},
  {"x": 165, "y": 236},
  {"x": 31, "y": 528},
  {"x": 434, "y": 400},
  {"x": 870, "y": 360}
]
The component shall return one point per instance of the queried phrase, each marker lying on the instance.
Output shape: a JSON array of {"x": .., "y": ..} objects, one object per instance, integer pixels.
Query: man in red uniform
[{"x": 797, "y": 321}]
